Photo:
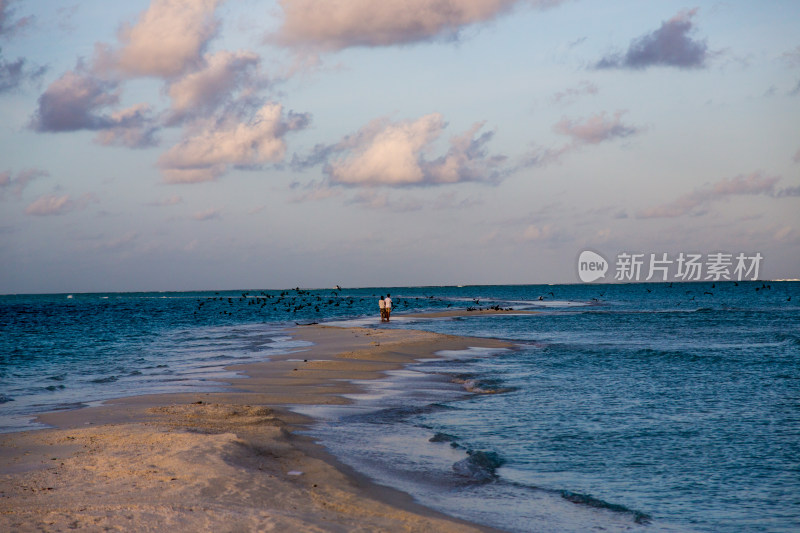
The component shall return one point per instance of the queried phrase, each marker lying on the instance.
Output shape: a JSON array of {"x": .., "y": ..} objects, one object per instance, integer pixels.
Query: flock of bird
[{"x": 294, "y": 300}]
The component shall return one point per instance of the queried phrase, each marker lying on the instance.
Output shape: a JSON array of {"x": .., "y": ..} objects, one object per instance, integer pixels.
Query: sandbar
[{"x": 225, "y": 461}]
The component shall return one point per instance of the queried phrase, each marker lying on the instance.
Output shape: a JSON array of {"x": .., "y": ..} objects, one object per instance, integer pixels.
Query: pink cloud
[
  {"x": 169, "y": 38},
  {"x": 219, "y": 143},
  {"x": 208, "y": 214},
  {"x": 325, "y": 25},
  {"x": 698, "y": 201},
  {"x": 50, "y": 204},
  {"x": 595, "y": 129},
  {"x": 133, "y": 127},
  {"x": 208, "y": 87},
  {"x": 538, "y": 233},
  {"x": 385, "y": 153},
  {"x": 17, "y": 184}
]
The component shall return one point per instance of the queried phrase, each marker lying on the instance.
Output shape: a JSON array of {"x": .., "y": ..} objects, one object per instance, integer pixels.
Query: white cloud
[
  {"x": 216, "y": 144},
  {"x": 398, "y": 154}
]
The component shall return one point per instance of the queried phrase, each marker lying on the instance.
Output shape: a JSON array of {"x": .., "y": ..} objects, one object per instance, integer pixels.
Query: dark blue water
[{"x": 650, "y": 407}]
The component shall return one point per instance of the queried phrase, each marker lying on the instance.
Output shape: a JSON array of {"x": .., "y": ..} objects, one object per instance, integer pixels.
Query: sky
[{"x": 225, "y": 144}]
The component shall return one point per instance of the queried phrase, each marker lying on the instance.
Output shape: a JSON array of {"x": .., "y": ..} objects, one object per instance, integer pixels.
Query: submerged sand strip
[{"x": 220, "y": 461}]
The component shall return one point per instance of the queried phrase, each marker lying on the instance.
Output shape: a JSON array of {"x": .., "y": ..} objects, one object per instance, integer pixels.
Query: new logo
[{"x": 591, "y": 266}]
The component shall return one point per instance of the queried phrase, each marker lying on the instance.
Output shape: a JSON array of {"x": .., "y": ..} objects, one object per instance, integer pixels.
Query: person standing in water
[
  {"x": 388, "y": 304},
  {"x": 382, "y": 307}
]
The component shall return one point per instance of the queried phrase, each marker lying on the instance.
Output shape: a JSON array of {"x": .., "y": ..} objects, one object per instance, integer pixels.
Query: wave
[
  {"x": 586, "y": 499},
  {"x": 4, "y": 398},
  {"x": 479, "y": 466},
  {"x": 443, "y": 437},
  {"x": 109, "y": 379},
  {"x": 482, "y": 386}
]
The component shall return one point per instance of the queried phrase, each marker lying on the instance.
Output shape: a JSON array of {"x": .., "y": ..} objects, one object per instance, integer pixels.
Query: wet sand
[{"x": 228, "y": 461}]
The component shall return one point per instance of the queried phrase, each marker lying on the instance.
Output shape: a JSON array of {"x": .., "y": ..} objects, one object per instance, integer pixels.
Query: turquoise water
[{"x": 649, "y": 407}]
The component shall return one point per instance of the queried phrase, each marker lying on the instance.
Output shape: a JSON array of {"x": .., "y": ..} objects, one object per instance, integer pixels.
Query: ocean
[{"x": 622, "y": 407}]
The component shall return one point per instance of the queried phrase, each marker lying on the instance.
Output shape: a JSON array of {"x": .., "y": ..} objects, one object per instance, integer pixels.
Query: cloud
[
  {"x": 313, "y": 191},
  {"x": 595, "y": 129},
  {"x": 788, "y": 191},
  {"x": 52, "y": 205},
  {"x": 172, "y": 200},
  {"x": 134, "y": 127},
  {"x": 15, "y": 185},
  {"x": 122, "y": 242},
  {"x": 8, "y": 26},
  {"x": 79, "y": 100},
  {"x": 208, "y": 214},
  {"x": 382, "y": 202},
  {"x": 698, "y": 201},
  {"x": 168, "y": 39},
  {"x": 571, "y": 94},
  {"x": 541, "y": 233},
  {"x": 796, "y": 157},
  {"x": 670, "y": 45},
  {"x": 792, "y": 57},
  {"x": 326, "y": 25},
  {"x": 207, "y": 88},
  {"x": 16, "y": 73},
  {"x": 218, "y": 143},
  {"x": 397, "y": 154},
  {"x": 73, "y": 102}
]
